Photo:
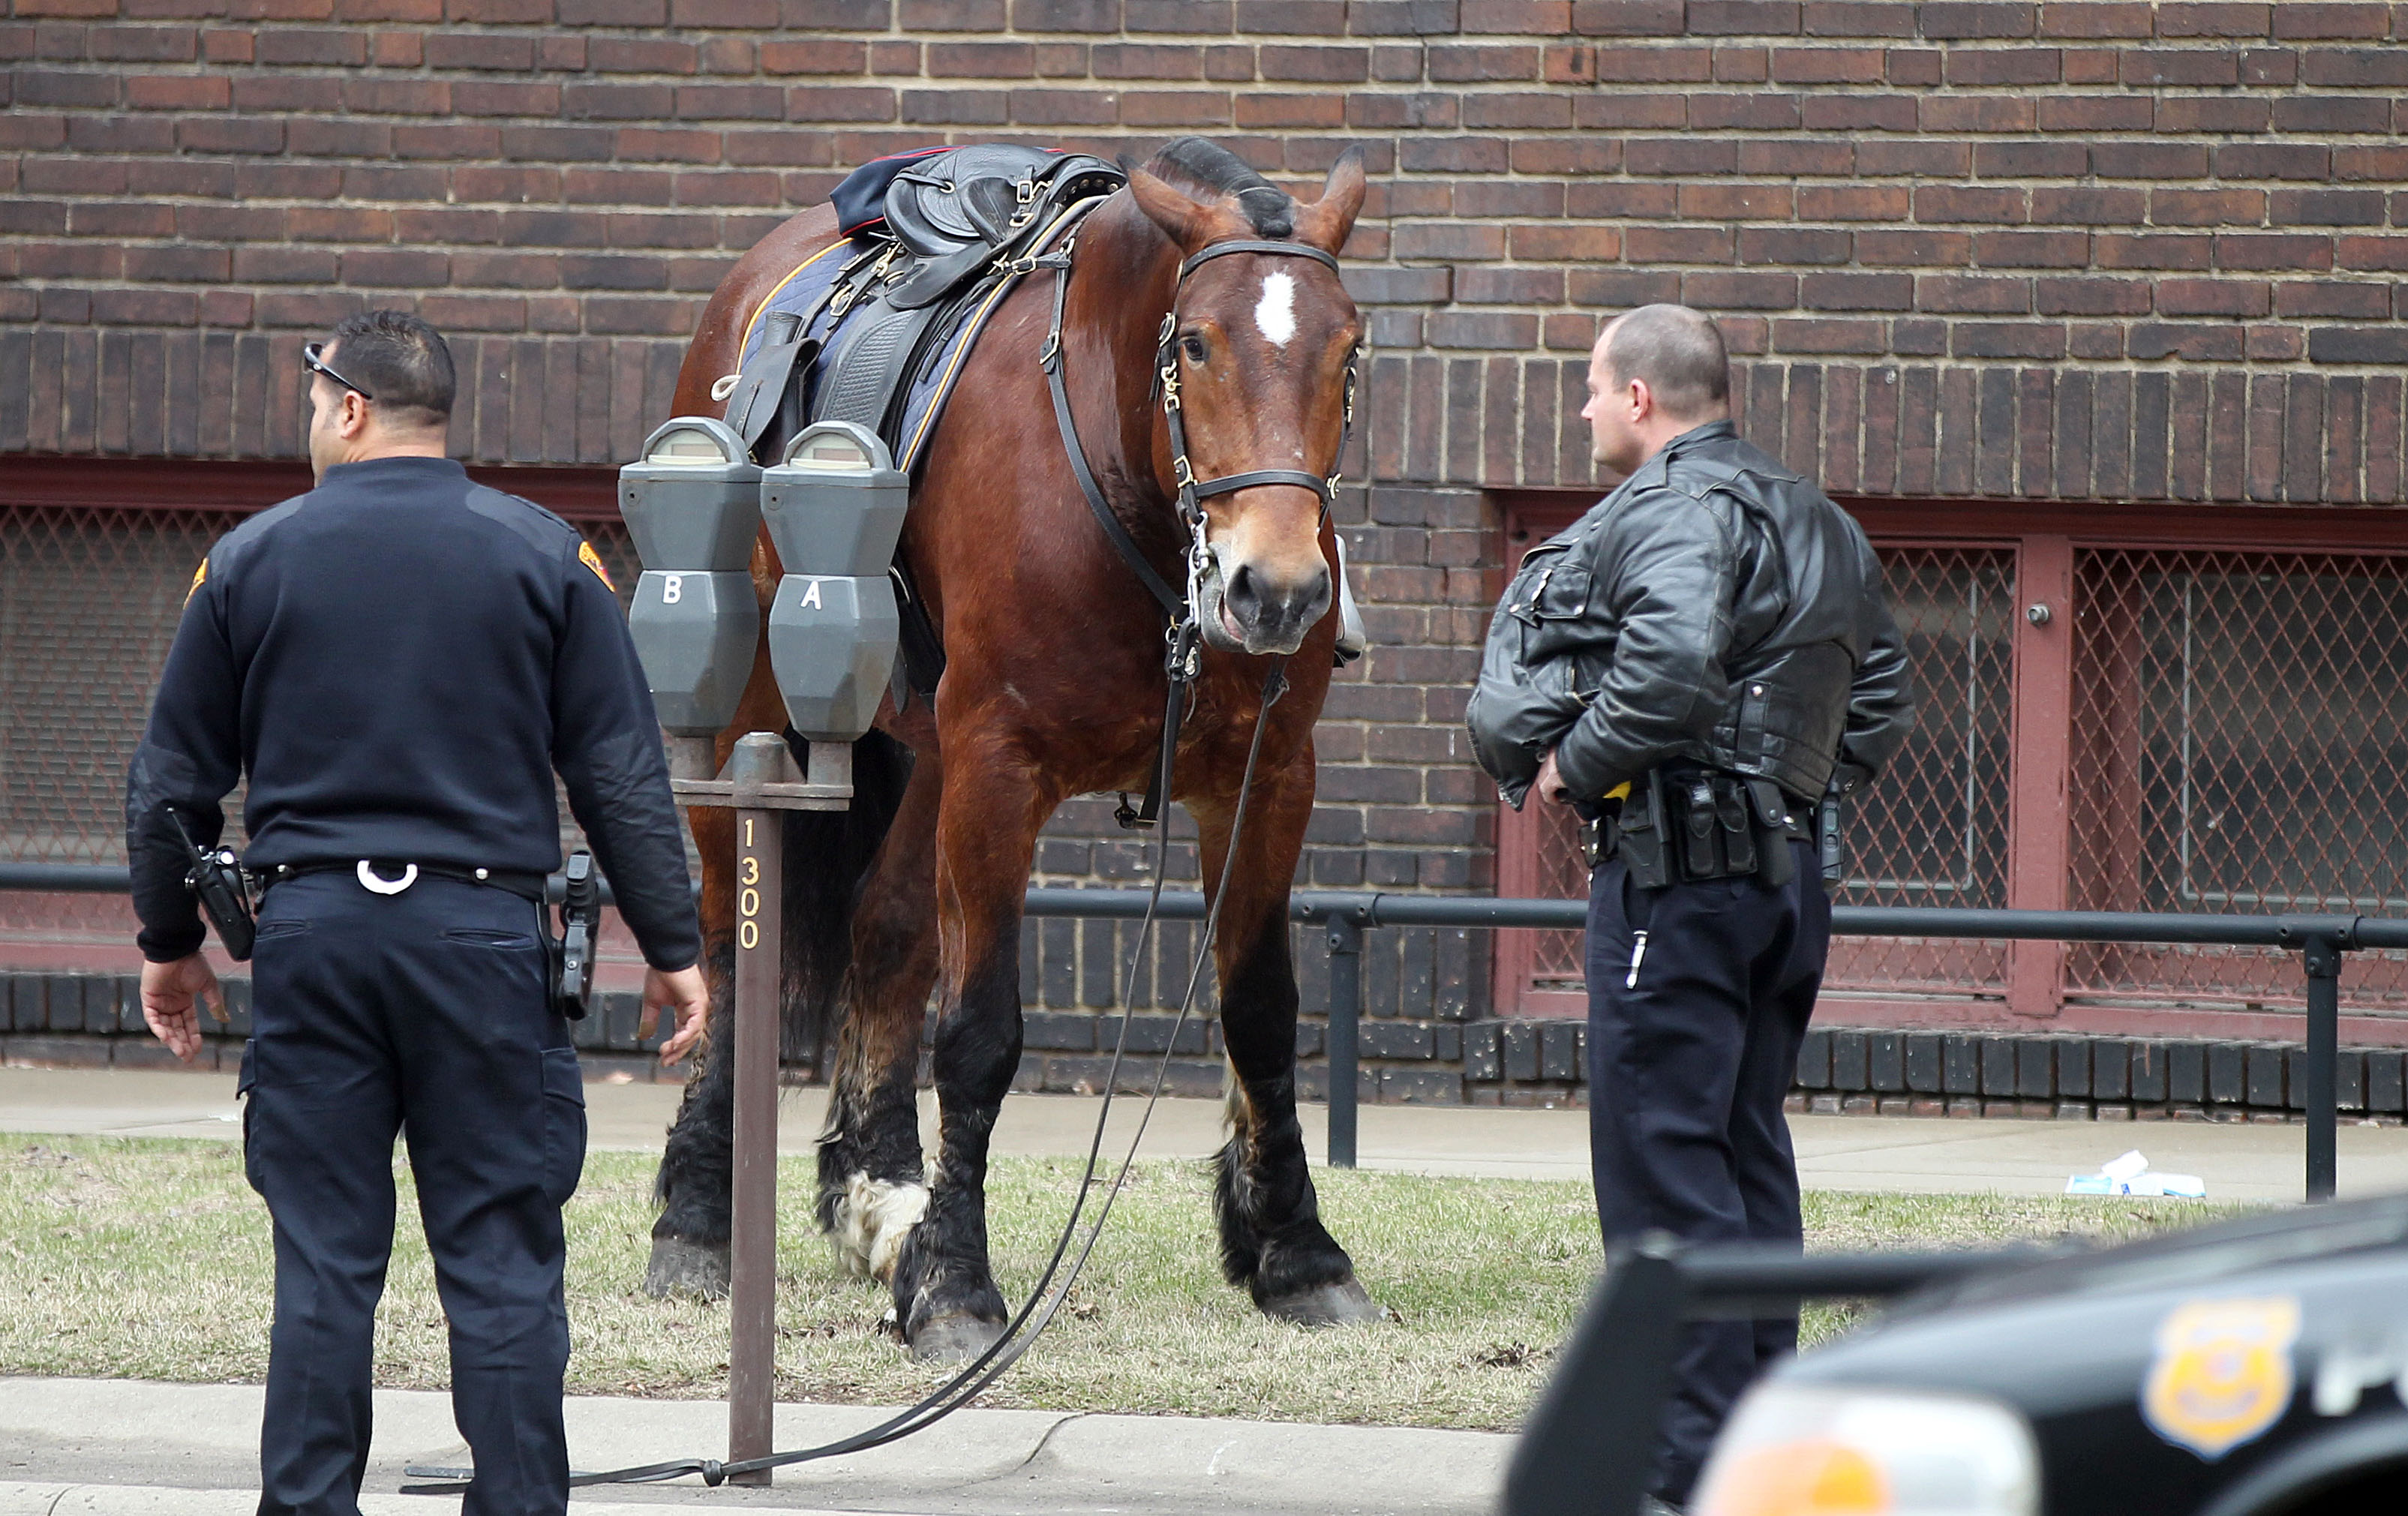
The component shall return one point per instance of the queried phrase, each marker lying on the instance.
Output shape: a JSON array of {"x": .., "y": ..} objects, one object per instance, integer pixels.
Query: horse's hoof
[
  {"x": 1345, "y": 1303},
  {"x": 682, "y": 1268},
  {"x": 954, "y": 1340}
]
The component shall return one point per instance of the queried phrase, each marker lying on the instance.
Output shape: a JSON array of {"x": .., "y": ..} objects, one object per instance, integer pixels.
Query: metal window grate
[
  {"x": 1933, "y": 829},
  {"x": 88, "y": 603},
  {"x": 2241, "y": 744}
]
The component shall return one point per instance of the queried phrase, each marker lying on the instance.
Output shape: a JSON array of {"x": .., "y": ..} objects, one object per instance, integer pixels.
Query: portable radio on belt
[
  {"x": 581, "y": 919},
  {"x": 1827, "y": 836},
  {"x": 217, "y": 881}
]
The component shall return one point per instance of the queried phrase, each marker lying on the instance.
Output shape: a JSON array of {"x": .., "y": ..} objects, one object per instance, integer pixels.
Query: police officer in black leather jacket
[
  {"x": 398, "y": 662},
  {"x": 1695, "y": 664}
]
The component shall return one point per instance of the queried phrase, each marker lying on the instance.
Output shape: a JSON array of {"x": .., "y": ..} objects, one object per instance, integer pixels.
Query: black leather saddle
[{"x": 936, "y": 233}]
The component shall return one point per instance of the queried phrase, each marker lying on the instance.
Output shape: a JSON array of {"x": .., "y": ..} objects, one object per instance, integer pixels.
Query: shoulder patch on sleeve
[
  {"x": 586, "y": 555},
  {"x": 200, "y": 577}
]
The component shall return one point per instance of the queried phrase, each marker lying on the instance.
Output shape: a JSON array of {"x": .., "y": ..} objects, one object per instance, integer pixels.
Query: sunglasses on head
[{"x": 315, "y": 364}]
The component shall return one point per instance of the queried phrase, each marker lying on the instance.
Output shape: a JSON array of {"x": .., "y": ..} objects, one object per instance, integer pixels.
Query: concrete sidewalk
[
  {"x": 1892, "y": 1154},
  {"x": 122, "y": 1448}
]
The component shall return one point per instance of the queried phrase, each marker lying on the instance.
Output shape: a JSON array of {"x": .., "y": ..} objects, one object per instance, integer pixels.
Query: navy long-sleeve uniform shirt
[{"x": 399, "y": 660}]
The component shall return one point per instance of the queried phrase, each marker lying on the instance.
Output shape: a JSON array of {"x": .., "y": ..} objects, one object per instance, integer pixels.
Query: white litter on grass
[{"x": 2131, "y": 1175}]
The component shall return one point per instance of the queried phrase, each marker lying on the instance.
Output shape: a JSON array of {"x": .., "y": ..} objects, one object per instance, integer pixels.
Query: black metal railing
[{"x": 2321, "y": 940}]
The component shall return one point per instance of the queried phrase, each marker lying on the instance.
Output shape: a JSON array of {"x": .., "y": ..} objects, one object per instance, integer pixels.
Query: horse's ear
[
  {"x": 1326, "y": 221},
  {"x": 1181, "y": 220}
]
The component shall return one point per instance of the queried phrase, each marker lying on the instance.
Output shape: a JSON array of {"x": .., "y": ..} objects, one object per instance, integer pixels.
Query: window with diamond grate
[
  {"x": 2239, "y": 743},
  {"x": 90, "y": 597},
  {"x": 1931, "y": 830}
]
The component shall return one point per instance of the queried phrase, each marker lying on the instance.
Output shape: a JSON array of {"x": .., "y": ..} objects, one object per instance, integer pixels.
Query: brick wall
[
  {"x": 2116, "y": 252},
  {"x": 2118, "y": 249}
]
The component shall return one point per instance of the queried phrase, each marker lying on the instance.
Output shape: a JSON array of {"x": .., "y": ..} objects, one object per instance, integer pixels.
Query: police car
[{"x": 2255, "y": 1369}]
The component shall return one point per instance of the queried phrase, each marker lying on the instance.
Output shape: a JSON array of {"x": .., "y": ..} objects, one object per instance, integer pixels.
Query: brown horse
[{"x": 1053, "y": 686}]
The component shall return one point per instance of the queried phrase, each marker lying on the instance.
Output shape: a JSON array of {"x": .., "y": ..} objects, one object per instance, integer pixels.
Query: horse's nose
[{"x": 1275, "y": 612}]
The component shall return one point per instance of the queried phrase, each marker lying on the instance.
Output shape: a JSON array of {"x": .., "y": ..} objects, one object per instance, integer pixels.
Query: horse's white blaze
[
  {"x": 871, "y": 1222},
  {"x": 1275, "y": 312}
]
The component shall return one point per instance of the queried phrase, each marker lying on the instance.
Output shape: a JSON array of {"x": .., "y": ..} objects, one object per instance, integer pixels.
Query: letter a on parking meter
[{"x": 834, "y": 509}]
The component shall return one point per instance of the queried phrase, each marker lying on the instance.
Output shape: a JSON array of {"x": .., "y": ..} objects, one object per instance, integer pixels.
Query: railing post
[
  {"x": 2322, "y": 952},
  {"x": 1345, "y": 1017}
]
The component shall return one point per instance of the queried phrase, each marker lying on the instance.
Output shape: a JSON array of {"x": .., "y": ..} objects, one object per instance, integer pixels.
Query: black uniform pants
[
  {"x": 425, "y": 1012},
  {"x": 1693, "y": 1045}
]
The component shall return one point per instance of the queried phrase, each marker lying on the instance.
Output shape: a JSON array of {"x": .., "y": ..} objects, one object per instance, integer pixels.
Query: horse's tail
[{"x": 828, "y": 857}]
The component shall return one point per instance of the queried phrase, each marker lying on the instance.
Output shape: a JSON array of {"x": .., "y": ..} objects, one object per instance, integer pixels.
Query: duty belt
[
  {"x": 384, "y": 876},
  {"x": 1694, "y": 824}
]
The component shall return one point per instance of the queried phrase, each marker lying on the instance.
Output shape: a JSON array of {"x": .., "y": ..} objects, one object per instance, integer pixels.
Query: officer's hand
[
  {"x": 1550, "y": 783},
  {"x": 167, "y": 993},
  {"x": 684, "y": 994}
]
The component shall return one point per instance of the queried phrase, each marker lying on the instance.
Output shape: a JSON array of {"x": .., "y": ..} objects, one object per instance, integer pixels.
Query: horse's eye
[{"x": 1194, "y": 347}]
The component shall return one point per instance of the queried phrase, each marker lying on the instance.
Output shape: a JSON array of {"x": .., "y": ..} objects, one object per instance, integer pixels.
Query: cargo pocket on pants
[{"x": 563, "y": 1125}]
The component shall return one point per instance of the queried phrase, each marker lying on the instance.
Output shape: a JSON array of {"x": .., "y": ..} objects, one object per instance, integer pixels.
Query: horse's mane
[{"x": 1208, "y": 166}]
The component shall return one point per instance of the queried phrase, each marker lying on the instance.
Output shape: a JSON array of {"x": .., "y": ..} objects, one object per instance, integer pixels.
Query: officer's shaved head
[
  {"x": 401, "y": 360},
  {"x": 1677, "y": 353}
]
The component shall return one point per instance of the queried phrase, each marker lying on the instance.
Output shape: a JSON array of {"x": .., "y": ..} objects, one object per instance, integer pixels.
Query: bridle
[
  {"x": 1166, "y": 372},
  {"x": 1183, "y": 634}
]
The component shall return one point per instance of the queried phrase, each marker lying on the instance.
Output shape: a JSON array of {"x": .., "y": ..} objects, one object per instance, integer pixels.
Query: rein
[{"x": 1183, "y": 658}]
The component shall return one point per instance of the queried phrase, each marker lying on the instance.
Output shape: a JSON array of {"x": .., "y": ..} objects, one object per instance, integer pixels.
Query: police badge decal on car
[{"x": 2222, "y": 1374}]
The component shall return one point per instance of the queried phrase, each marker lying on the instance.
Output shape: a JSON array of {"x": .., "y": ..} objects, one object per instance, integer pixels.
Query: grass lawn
[{"x": 150, "y": 1260}]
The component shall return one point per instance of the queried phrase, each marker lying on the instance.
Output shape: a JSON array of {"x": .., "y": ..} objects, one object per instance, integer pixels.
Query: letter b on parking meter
[
  {"x": 834, "y": 509},
  {"x": 693, "y": 506}
]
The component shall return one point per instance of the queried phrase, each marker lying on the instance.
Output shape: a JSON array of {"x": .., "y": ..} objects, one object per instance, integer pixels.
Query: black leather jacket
[{"x": 1715, "y": 608}]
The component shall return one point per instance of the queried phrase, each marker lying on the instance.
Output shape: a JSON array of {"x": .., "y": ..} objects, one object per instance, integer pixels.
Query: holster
[
  {"x": 1642, "y": 834},
  {"x": 571, "y": 953}
]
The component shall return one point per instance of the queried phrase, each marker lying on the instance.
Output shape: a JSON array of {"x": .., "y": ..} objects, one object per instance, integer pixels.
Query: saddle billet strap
[{"x": 921, "y": 656}]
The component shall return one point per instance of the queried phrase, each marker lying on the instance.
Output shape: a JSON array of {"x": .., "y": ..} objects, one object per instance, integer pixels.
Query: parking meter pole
[
  {"x": 1345, "y": 1015},
  {"x": 2324, "y": 957},
  {"x": 761, "y": 782},
  {"x": 695, "y": 505},
  {"x": 753, "y": 1239}
]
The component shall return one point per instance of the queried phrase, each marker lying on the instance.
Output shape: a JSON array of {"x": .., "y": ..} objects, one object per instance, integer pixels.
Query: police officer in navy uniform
[
  {"x": 398, "y": 662},
  {"x": 1696, "y": 663}
]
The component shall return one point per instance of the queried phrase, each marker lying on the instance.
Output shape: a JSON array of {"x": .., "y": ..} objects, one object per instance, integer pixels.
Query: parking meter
[
  {"x": 834, "y": 508},
  {"x": 693, "y": 506}
]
